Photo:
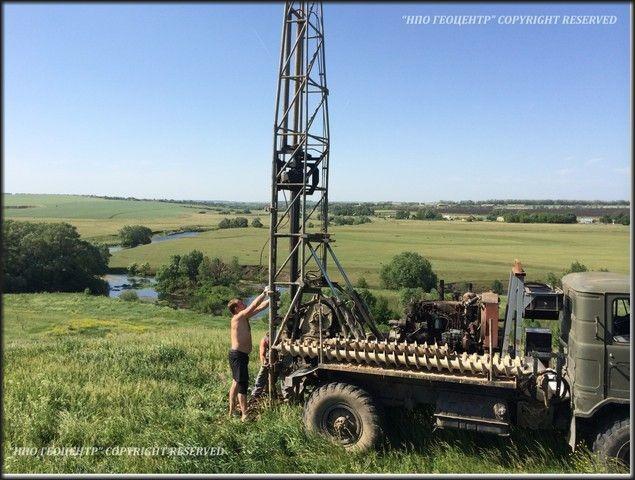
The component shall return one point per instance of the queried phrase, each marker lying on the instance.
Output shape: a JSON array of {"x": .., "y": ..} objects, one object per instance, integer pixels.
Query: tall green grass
[{"x": 89, "y": 371}]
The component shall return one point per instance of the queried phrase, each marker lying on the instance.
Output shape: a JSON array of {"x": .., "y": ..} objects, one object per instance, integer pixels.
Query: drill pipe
[{"x": 411, "y": 355}]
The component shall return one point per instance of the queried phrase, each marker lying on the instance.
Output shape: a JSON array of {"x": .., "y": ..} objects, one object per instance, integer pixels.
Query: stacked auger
[{"x": 408, "y": 355}]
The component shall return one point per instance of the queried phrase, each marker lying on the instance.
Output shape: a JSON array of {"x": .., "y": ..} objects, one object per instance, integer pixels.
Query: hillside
[{"x": 93, "y": 371}]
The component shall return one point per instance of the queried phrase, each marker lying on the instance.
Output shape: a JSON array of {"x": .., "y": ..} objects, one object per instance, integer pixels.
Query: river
[
  {"x": 160, "y": 237},
  {"x": 120, "y": 282}
]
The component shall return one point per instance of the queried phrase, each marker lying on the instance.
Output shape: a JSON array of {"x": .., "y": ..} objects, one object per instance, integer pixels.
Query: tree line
[
  {"x": 622, "y": 218},
  {"x": 539, "y": 217}
]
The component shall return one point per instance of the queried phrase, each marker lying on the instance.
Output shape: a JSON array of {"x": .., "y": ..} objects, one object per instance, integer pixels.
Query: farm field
[
  {"x": 477, "y": 252},
  {"x": 100, "y": 219},
  {"x": 94, "y": 371}
]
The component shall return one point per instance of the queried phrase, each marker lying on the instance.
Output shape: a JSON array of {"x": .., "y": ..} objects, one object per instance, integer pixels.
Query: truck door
[{"x": 618, "y": 329}]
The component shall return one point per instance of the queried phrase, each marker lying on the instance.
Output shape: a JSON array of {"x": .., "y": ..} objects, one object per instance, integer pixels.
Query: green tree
[
  {"x": 190, "y": 263},
  {"x": 497, "y": 287},
  {"x": 361, "y": 283},
  {"x": 381, "y": 311},
  {"x": 133, "y": 269},
  {"x": 427, "y": 214},
  {"x": 256, "y": 223},
  {"x": 144, "y": 269},
  {"x": 408, "y": 270},
  {"x": 133, "y": 235},
  {"x": 51, "y": 257},
  {"x": 402, "y": 214},
  {"x": 368, "y": 298},
  {"x": 240, "y": 222},
  {"x": 212, "y": 299}
]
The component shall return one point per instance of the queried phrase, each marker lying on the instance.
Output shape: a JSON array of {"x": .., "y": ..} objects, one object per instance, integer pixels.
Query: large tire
[
  {"x": 346, "y": 414},
  {"x": 613, "y": 440}
]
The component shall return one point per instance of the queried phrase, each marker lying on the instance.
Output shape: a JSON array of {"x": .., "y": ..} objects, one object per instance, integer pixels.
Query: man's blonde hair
[{"x": 233, "y": 303}]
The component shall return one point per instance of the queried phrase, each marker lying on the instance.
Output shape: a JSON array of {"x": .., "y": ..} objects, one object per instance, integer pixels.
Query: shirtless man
[{"x": 240, "y": 349}]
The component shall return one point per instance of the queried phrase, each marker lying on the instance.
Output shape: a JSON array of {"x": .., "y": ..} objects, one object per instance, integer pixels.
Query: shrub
[
  {"x": 133, "y": 235},
  {"x": 575, "y": 268},
  {"x": 212, "y": 299},
  {"x": 407, "y": 295},
  {"x": 129, "y": 296},
  {"x": 621, "y": 218},
  {"x": 256, "y": 223},
  {"x": 556, "y": 281},
  {"x": 553, "y": 280},
  {"x": 361, "y": 283},
  {"x": 497, "y": 287},
  {"x": 186, "y": 279},
  {"x": 144, "y": 269},
  {"x": 238, "y": 222},
  {"x": 408, "y": 270},
  {"x": 381, "y": 311},
  {"x": 368, "y": 298},
  {"x": 342, "y": 220}
]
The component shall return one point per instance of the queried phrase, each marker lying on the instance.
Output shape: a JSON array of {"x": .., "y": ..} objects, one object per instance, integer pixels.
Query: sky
[{"x": 177, "y": 101}]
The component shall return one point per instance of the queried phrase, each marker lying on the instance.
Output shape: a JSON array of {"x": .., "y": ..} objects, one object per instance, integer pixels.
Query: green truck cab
[{"x": 595, "y": 333}]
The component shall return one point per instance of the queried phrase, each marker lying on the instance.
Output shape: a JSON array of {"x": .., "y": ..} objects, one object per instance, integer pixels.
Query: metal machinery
[
  {"x": 299, "y": 194},
  {"x": 447, "y": 353},
  {"x": 326, "y": 320}
]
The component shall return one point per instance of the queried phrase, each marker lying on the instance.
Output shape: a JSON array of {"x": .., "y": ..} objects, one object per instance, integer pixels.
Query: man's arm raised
[
  {"x": 251, "y": 310},
  {"x": 261, "y": 307}
]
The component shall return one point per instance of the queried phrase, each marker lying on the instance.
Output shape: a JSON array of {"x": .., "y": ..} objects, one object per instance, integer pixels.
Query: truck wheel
[
  {"x": 614, "y": 441},
  {"x": 345, "y": 413}
]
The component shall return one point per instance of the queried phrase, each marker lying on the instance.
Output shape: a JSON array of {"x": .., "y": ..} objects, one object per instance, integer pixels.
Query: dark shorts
[{"x": 238, "y": 361}]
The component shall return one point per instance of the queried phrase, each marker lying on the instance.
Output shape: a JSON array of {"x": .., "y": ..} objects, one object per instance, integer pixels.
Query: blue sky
[{"x": 176, "y": 101}]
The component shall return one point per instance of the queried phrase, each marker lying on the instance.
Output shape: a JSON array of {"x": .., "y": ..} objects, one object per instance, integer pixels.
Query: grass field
[
  {"x": 100, "y": 219},
  {"x": 94, "y": 371},
  {"x": 477, "y": 252}
]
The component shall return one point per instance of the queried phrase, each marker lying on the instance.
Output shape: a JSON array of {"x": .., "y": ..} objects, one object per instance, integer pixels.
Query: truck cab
[{"x": 595, "y": 333}]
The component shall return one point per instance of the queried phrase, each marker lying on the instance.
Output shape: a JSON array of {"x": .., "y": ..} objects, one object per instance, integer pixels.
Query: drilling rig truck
[{"x": 480, "y": 372}]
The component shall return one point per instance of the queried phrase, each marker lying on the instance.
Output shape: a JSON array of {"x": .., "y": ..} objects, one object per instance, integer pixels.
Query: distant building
[{"x": 585, "y": 220}]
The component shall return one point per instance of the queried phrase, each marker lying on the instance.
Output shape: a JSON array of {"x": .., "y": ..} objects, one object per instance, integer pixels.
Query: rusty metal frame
[{"x": 301, "y": 129}]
